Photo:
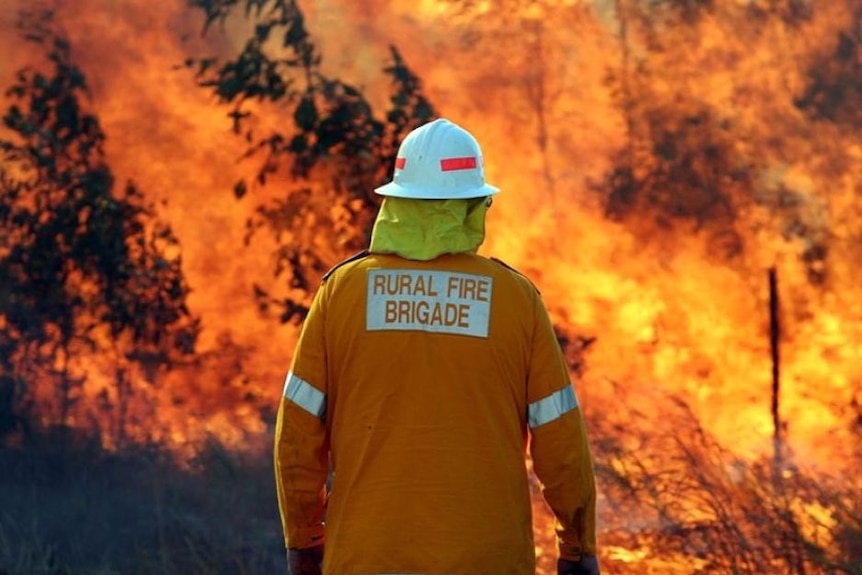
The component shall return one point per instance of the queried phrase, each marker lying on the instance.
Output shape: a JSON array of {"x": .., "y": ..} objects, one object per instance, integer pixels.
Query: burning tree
[
  {"x": 706, "y": 156},
  {"x": 336, "y": 149},
  {"x": 91, "y": 279}
]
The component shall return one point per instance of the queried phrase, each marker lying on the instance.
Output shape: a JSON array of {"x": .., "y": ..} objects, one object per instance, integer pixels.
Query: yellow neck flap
[{"x": 425, "y": 229}]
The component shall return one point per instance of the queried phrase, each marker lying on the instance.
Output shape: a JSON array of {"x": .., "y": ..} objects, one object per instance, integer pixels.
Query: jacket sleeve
[
  {"x": 558, "y": 443},
  {"x": 301, "y": 449}
]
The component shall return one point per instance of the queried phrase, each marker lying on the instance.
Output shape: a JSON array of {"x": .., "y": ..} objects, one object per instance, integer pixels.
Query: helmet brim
[{"x": 433, "y": 193}]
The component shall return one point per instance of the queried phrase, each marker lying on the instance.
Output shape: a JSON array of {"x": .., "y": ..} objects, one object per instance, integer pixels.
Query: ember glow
[{"x": 668, "y": 282}]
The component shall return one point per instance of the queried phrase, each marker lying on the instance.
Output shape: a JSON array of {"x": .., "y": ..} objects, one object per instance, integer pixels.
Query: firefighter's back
[{"x": 427, "y": 370}]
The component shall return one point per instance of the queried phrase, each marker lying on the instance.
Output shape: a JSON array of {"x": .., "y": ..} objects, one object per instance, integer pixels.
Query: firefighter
[{"x": 423, "y": 375}]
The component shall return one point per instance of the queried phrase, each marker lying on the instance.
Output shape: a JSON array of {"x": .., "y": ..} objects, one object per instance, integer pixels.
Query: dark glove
[
  {"x": 586, "y": 565},
  {"x": 305, "y": 561}
]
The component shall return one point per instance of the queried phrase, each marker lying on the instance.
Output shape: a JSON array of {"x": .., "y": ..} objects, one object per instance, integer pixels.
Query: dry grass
[
  {"x": 680, "y": 504},
  {"x": 86, "y": 512},
  {"x": 683, "y": 503}
]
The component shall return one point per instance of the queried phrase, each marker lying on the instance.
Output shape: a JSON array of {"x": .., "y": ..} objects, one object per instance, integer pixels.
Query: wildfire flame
[{"x": 677, "y": 310}]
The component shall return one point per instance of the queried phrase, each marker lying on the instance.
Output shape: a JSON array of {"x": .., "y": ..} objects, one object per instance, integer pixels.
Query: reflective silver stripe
[
  {"x": 305, "y": 395},
  {"x": 552, "y": 407}
]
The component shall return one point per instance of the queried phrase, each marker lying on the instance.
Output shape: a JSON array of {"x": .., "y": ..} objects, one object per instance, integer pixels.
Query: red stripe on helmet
[
  {"x": 400, "y": 163},
  {"x": 452, "y": 164}
]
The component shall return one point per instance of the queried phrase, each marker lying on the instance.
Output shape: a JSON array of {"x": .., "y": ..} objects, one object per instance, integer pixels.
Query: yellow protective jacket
[{"x": 418, "y": 384}]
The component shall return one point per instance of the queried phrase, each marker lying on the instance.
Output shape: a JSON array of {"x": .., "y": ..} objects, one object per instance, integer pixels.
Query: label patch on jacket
[{"x": 429, "y": 300}]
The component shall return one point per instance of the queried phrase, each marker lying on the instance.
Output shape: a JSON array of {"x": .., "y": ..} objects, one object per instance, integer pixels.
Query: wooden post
[{"x": 774, "y": 344}]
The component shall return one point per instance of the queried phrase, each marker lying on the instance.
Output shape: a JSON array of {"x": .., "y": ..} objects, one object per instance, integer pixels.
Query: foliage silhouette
[
  {"x": 686, "y": 171},
  {"x": 336, "y": 148},
  {"x": 682, "y": 166},
  {"x": 834, "y": 92},
  {"x": 87, "y": 270}
]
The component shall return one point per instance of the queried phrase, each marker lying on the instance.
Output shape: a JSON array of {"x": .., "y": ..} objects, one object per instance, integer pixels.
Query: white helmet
[{"x": 438, "y": 161}]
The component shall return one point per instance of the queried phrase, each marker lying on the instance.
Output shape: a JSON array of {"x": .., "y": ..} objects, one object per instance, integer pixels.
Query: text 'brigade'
[{"x": 429, "y": 300}]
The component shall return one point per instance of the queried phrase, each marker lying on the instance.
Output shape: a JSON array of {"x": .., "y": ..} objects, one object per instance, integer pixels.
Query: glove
[
  {"x": 306, "y": 561},
  {"x": 586, "y": 565}
]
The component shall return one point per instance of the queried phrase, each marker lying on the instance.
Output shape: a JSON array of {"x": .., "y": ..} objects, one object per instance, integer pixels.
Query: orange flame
[{"x": 671, "y": 315}]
